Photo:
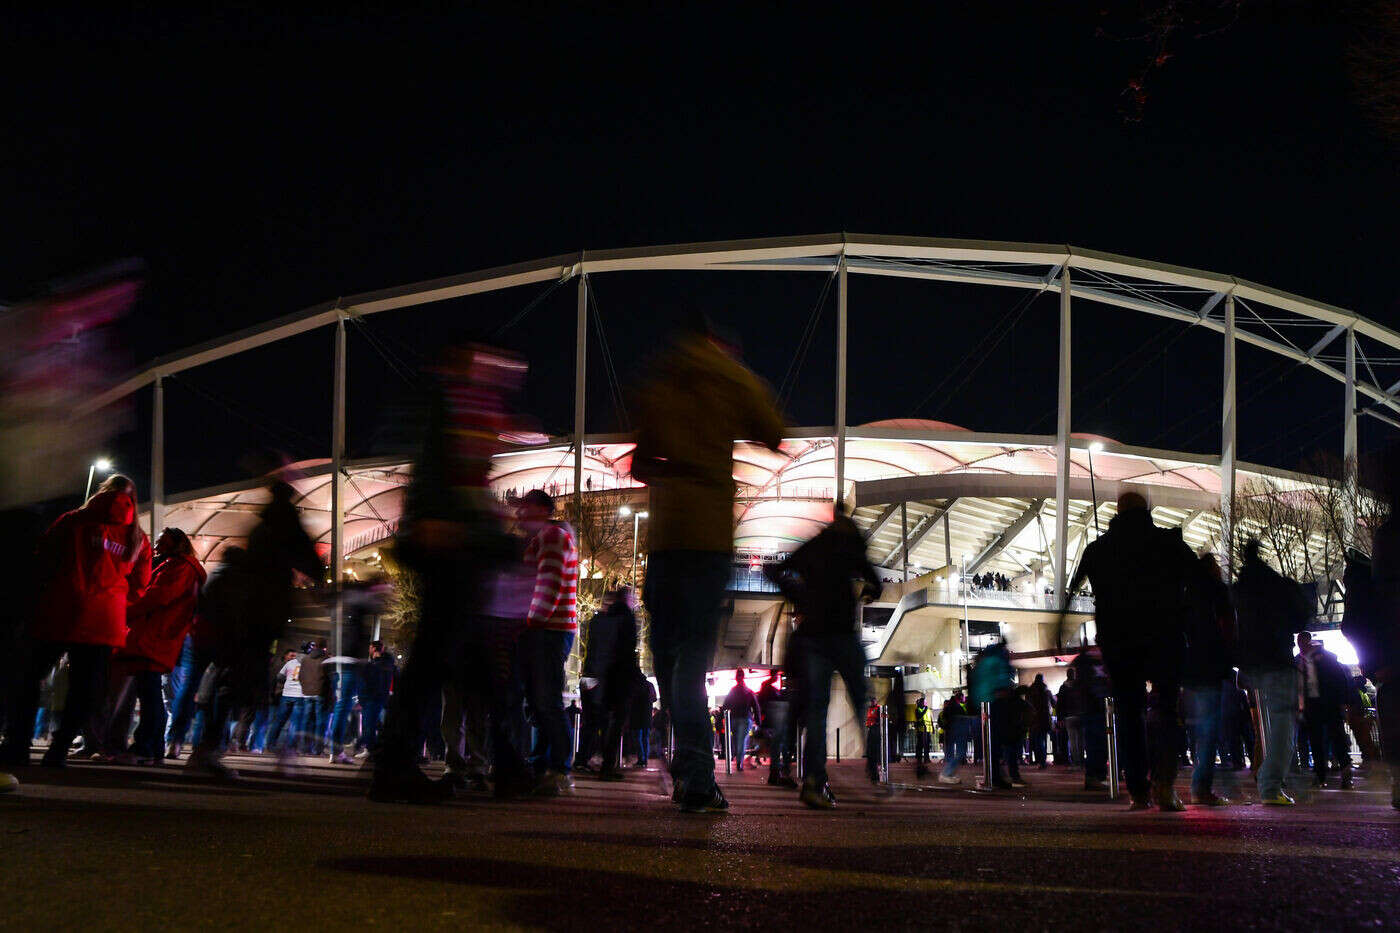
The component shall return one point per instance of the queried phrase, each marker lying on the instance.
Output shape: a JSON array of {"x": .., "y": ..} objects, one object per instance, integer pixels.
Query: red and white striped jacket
[{"x": 555, "y": 556}]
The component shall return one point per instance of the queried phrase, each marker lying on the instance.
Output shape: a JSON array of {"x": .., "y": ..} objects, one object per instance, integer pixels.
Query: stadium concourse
[
  {"x": 940, "y": 506},
  {"x": 94, "y": 841}
]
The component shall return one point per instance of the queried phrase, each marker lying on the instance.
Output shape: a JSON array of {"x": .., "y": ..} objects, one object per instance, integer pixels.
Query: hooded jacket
[
  {"x": 93, "y": 566},
  {"x": 158, "y": 620}
]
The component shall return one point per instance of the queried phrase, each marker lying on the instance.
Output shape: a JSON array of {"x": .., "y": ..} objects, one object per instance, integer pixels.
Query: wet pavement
[{"x": 114, "y": 848}]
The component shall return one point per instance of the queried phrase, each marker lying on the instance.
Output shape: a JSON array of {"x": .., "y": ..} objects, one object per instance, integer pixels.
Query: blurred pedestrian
[
  {"x": 1139, "y": 573},
  {"x": 1326, "y": 690},
  {"x": 1210, "y": 627},
  {"x": 741, "y": 706},
  {"x": 697, "y": 402}
]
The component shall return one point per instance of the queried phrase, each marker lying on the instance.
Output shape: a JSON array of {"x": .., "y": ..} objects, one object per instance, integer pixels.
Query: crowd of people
[
  {"x": 995, "y": 582},
  {"x": 1197, "y": 665}
]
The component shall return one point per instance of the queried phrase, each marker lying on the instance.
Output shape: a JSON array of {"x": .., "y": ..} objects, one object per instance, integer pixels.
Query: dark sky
[{"x": 262, "y": 161}]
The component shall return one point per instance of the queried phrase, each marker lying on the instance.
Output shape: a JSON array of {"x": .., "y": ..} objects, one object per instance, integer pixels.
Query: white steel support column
[
  {"x": 839, "y": 493},
  {"x": 580, "y": 387},
  {"x": 904, "y": 536},
  {"x": 338, "y": 482},
  {"x": 1228, "y": 425},
  {"x": 1062, "y": 442},
  {"x": 158, "y": 459},
  {"x": 1349, "y": 451}
]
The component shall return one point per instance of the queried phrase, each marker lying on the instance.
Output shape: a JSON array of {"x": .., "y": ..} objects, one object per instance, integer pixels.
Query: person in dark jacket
[
  {"x": 640, "y": 716},
  {"x": 243, "y": 610},
  {"x": 1269, "y": 609},
  {"x": 741, "y": 705},
  {"x": 774, "y": 707},
  {"x": 1326, "y": 690},
  {"x": 1210, "y": 626},
  {"x": 1139, "y": 574},
  {"x": 374, "y": 693},
  {"x": 610, "y": 668},
  {"x": 1042, "y": 706},
  {"x": 818, "y": 579}
]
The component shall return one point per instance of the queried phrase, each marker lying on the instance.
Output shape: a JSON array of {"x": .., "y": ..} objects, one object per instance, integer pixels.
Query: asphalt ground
[{"x": 100, "y": 847}]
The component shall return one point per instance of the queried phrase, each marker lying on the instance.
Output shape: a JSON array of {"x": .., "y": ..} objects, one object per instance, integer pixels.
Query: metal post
[
  {"x": 728, "y": 742},
  {"x": 838, "y": 744},
  {"x": 670, "y": 739},
  {"x": 988, "y": 766},
  {"x": 904, "y": 536},
  {"x": 338, "y": 490},
  {"x": 158, "y": 459},
  {"x": 619, "y": 748},
  {"x": 1349, "y": 451},
  {"x": 1111, "y": 733},
  {"x": 580, "y": 386},
  {"x": 884, "y": 745},
  {"x": 839, "y": 493},
  {"x": 1062, "y": 422},
  {"x": 576, "y": 720},
  {"x": 1228, "y": 423},
  {"x": 801, "y": 754}
]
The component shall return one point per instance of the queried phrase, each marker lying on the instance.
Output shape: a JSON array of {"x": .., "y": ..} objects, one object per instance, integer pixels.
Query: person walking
[
  {"x": 775, "y": 708},
  {"x": 374, "y": 694},
  {"x": 1269, "y": 608},
  {"x": 741, "y": 705},
  {"x": 310, "y": 740},
  {"x": 549, "y": 635},
  {"x": 955, "y": 725},
  {"x": 821, "y": 579},
  {"x": 290, "y": 717},
  {"x": 1326, "y": 690},
  {"x": 1210, "y": 627},
  {"x": 1139, "y": 573},
  {"x": 641, "y": 715},
  {"x": 697, "y": 402},
  {"x": 92, "y": 563}
]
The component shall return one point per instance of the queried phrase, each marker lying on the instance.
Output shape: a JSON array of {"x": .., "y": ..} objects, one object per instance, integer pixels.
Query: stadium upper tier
[{"x": 989, "y": 499}]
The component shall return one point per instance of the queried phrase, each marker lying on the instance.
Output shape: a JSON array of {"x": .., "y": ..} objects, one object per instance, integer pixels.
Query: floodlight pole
[
  {"x": 904, "y": 536},
  {"x": 839, "y": 493},
  {"x": 1228, "y": 415},
  {"x": 580, "y": 386},
  {"x": 338, "y": 494},
  {"x": 1062, "y": 440},
  {"x": 158, "y": 458}
]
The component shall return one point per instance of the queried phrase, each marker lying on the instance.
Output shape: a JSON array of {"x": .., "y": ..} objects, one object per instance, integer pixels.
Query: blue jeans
[
  {"x": 313, "y": 725},
  {"x": 288, "y": 723},
  {"x": 543, "y": 653},
  {"x": 685, "y": 596},
  {"x": 346, "y": 688},
  {"x": 955, "y": 745},
  {"x": 184, "y": 683},
  {"x": 739, "y": 741},
  {"x": 1203, "y": 716},
  {"x": 371, "y": 714},
  {"x": 1278, "y": 711},
  {"x": 815, "y": 659},
  {"x": 643, "y": 745},
  {"x": 257, "y": 740}
]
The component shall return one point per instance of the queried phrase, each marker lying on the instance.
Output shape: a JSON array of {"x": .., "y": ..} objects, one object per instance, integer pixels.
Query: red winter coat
[
  {"x": 158, "y": 622},
  {"x": 92, "y": 570}
]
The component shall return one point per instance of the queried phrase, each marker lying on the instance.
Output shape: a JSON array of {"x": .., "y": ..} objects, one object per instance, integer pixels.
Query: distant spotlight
[
  {"x": 643, "y": 514},
  {"x": 625, "y": 511},
  {"x": 1096, "y": 447},
  {"x": 104, "y": 465}
]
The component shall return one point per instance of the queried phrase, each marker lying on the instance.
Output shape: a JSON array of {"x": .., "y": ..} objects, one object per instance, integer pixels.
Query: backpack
[{"x": 1363, "y": 617}]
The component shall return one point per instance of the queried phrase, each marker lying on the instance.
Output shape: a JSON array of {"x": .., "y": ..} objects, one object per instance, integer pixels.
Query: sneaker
[
  {"x": 1277, "y": 799},
  {"x": 949, "y": 779},
  {"x": 8, "y": 783},
  {"x": 1017, "y": 783},
  {"x": 340, "y": 758},
  {"x": 1139, "y": 803},
  {"x": 204, "y": 764},
  {"x": 1210, "y": 799},
  {"x": 1168, "y": 802},
  {"x": 712, "y": 802},
  {"x": 553, "y": 784},
  {"x": 173, "y": 750},
  {"x": 817, "y": 796}
]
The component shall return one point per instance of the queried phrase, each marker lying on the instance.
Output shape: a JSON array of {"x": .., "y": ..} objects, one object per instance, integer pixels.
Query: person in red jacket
[
  {"x": 93, "y": 562},
  {"x": 157, "y": 623}
]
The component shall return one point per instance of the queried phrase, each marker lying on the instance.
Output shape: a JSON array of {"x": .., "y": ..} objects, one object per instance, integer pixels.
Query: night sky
[{"x": 260, "y": 162}]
